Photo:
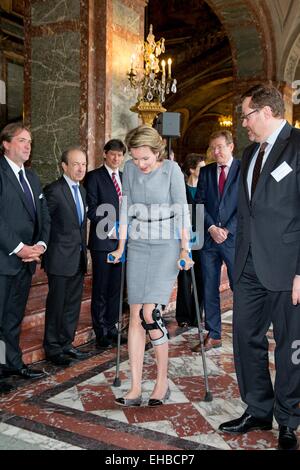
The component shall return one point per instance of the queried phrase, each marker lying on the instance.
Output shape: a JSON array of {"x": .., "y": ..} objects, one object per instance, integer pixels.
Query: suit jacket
[
  {"x": 221, "y": 212},
  {"x": 271, "y": 222},
  {"x": 16, "y": 223},
  {"x": 67, "y": 244},
  {"x": 101, "y": 190}
]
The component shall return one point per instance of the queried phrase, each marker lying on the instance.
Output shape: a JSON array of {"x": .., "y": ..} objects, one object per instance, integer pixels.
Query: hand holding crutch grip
[{"x": 208, "y": 394}]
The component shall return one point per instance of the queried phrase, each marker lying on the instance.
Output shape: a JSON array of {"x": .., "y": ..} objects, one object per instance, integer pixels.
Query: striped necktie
[{"x": 116, "y": 185}]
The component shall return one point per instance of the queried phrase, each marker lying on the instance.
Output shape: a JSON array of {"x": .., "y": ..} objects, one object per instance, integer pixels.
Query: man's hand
[
  {"x": 296, "y": 290},
  {"x": 218, "y": 234},
  {"x": 30, "y": 253}
]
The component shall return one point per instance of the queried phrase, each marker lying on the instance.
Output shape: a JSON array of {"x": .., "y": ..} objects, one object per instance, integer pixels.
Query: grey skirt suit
[{"x": 155, "y": 208}]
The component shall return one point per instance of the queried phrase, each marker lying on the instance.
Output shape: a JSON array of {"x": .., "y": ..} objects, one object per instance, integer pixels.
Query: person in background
[
  {"x": 155, "y": 205},
  {"x": 185, "y": 303},
  {"x": 24, "y": 234},
  {"x": 104, "y": 189},
  {"x": 218, "y": 191},
  {"x": 267, "y": 269},
  {"x": 65, "y": 261}
]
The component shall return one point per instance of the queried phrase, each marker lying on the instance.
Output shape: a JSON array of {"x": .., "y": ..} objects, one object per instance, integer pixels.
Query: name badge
[{"x": 281, "y": 171}]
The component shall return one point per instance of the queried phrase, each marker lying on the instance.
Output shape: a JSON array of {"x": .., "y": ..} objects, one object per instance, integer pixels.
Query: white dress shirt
[
  {"x": 70, "y": 184},
  {"x": 15, "y": 168},
  {"x": 270, "y": 141}
]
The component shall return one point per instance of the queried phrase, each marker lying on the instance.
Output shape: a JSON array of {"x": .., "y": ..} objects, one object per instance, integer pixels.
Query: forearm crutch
[
  {"x": 208, "y": 395},
  {"x": 110, "y": 259}
]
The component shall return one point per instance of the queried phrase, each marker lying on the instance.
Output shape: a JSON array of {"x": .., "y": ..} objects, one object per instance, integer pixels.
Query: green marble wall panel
[
  {"x": 54, "y": 11},
  {"x": 122, "y": 96},
  {"x": 126, "y": 17},
  {"x": 55, "y": 100},
  {"x": 15, "y": 90}
]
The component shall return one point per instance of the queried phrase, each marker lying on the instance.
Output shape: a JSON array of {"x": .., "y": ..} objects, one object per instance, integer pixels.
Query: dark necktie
[
  {"x": 28, "y": 195},
  {"x": 257, "y": 167},
  {"x": 222, "y": 179},
  {"x": 77, "y": 202},
  {"x": 116, "y": 184}
]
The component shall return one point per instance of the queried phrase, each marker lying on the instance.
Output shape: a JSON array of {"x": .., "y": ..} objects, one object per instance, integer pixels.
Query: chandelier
[
  {"x": 153, "y": 81},
  {"x": 225, "y": 121}
]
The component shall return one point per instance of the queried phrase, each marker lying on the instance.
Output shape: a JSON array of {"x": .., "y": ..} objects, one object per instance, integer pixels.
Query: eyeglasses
[
  {"x": 246, "y": 116},
  {"x": 218, "y": 148}
]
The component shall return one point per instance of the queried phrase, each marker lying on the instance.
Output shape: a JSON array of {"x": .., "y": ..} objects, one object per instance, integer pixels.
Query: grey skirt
[{"x": 151, "y": 271}]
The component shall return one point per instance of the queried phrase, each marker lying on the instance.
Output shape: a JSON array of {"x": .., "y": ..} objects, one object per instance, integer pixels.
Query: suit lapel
[
  {"x": 12, "y": 178},
  {"x": 276, "y": 152},
  {"x": 214, "y": 180},
  {"x": 249, "y": 152},
  {"x": 69, "y": 197},
  {"x": 83, "y": 197},
  {"x": 109, "y": 181},
  {"x": 231, "y": 175}
]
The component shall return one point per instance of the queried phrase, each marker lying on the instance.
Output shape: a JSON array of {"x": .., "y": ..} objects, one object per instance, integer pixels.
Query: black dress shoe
[
  {"x": 287, "y": 439},
  {"x": 59, "y": 359},
  {"x": 25, "y": 372},
  {"x": 244, "y": 424},
  {"x": 76, "y": 354},
  {"x": 103, "y": 342},
  {"x": 5, "y": 388}
]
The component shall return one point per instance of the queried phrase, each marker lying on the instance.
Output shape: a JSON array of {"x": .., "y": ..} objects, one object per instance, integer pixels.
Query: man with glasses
[
  {"x": 267, "y": 269},
  {"x": 217, "y": 190}
]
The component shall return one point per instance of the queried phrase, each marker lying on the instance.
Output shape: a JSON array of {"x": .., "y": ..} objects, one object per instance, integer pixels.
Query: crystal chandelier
[{"x": 154, "y": 81}]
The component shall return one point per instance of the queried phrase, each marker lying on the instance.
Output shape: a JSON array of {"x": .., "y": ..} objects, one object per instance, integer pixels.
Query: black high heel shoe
[
  {"x": 129, "y": 401},
  {"x": 157, "y": 402}
]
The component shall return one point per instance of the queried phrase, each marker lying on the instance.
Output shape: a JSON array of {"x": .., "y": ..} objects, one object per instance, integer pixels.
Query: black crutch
[
  {"x": 110, "y": 259},
  {"x": 208, "y": 394}
]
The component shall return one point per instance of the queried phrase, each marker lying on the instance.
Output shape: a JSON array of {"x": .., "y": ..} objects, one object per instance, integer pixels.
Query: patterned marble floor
[{"x": 73, "y": 408}]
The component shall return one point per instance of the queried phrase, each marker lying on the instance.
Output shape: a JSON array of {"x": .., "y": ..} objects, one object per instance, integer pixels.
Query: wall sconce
[{"x": 297, "y": 124}]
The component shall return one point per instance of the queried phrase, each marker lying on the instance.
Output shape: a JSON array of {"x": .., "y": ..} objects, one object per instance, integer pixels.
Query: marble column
[{"x": 77, "y": 53}]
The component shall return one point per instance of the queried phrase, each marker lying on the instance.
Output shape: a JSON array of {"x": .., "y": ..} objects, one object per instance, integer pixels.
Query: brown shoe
[
  {"x": 211, "y": 343},
  {"x": 197, "y": 348}
]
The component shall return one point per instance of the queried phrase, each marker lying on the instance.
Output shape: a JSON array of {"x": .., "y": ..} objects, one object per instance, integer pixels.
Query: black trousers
[
  {"x": 185, "y": 301},
  {"x": 105, "y": 293},
  {"x": 14, "y": 291},
  {"x": 254, "y": 309},
  {"x": 62, "y": 312}
]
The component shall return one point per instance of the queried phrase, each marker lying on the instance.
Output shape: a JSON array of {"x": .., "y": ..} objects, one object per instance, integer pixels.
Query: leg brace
[{"x": 158, "y": 324}]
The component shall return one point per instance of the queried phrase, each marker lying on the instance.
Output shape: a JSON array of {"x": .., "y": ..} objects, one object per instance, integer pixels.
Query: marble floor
[{"x": 74, "y": 408}]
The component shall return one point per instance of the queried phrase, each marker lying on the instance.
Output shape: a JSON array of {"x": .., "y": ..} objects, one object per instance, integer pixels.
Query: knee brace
[{"x": 158, "y": 324}]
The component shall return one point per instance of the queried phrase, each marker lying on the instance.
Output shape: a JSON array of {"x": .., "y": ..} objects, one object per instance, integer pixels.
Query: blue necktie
[
  {"x": 77, "y": 202},
  {"x": 28, "y": 195}
]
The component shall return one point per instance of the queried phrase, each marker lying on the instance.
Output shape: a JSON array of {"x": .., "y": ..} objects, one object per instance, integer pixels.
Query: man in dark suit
[
  {"x": 24, "y": 233},
  {"x": 104, "y": 192},
  {"x": 217, "y": 190},
  {"x": 267, "y": 269},
  {"x": 66, "y": 258}
]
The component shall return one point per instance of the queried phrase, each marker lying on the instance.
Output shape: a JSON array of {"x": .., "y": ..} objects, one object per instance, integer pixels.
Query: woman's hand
[
  {"x": 186, "y": 260},
  {"x": 117, "y": 255}
]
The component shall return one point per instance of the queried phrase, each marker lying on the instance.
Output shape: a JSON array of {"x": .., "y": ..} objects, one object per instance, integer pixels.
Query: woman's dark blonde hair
[{"x": 146, "y": 136}]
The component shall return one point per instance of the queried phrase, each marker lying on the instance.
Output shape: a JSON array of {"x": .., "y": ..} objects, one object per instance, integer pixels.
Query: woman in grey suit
[{"x": 155, "y": 212}]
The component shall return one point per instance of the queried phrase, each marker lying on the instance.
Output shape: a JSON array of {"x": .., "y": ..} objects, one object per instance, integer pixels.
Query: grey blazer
[{"x": 155, "y": 202}]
